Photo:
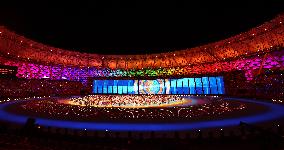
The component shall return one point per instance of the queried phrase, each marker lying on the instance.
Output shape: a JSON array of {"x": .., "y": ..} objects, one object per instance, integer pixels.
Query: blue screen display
[{"x": 202, "y": 85}]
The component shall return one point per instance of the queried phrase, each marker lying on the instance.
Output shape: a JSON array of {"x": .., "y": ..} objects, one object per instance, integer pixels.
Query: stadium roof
[{"x": 137, "y": 27}]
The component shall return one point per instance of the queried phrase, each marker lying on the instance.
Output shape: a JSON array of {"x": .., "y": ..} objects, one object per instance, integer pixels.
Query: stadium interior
[{"x": 227, "y": 94}]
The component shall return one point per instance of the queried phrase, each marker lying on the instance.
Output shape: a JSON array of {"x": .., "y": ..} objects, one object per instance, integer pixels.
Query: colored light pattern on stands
[
  {"x": 257, "y": 48},
  {"x": 263, "y": 38},
  {"x": 32, "y": 70}
]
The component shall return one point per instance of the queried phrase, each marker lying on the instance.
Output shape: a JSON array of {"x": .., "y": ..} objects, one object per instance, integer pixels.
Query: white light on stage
[{"x": 45, "y": 77}]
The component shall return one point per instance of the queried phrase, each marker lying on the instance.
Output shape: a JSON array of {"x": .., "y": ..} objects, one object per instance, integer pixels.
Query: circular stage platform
[
  {"x": 135, "y": 101},
  {"x": 193, "y": 113}
]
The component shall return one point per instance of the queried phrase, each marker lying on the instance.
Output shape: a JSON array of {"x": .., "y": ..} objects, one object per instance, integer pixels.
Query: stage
[
  {"x": 267, "y": 112},
  {"x": 144, "y": 101}
]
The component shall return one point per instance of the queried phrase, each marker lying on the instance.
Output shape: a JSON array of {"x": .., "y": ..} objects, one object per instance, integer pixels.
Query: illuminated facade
[{"x": 260, "y": 47}]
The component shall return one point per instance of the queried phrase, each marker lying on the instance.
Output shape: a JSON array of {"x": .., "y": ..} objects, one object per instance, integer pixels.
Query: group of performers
[{"x": 125, "y": 100}]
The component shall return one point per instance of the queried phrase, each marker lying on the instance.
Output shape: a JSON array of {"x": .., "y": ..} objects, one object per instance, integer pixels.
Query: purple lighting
[{"x": 36, "y": 71}]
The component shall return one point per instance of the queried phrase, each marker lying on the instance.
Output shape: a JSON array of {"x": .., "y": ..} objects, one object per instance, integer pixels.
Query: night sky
[{"x": 135, "y": 27}]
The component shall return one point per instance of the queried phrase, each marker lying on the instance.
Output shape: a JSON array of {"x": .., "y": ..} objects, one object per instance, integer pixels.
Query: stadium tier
[
  {"x": 260, "y": 47},
  {"x": 251, "y": 53}
]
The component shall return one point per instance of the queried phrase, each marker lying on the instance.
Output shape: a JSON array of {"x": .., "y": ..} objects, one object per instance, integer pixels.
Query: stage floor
[
  {"x": 274, "y": 112},
  {"x": 187, "y": 101}
]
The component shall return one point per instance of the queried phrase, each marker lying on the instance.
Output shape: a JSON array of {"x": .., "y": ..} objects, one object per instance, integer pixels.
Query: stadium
[{"x": 230, "y": 89}]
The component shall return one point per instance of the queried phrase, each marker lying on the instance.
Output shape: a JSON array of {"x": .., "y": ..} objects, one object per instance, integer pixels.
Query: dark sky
[{"x": 135, "y": 27}]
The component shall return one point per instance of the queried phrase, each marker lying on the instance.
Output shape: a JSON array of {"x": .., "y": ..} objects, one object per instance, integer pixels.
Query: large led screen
[
  {"x": 153, "y": 86},
  {"x": 202, "y": 85}
]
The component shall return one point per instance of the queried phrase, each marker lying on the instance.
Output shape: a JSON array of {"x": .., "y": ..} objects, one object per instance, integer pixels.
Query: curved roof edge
[{"x": 262, "y": 37}]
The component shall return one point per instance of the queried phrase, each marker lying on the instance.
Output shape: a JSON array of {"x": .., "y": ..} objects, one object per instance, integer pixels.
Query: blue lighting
[
  {"x": 276, "y": 111},
  {"x": 203, "y": 85}
]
